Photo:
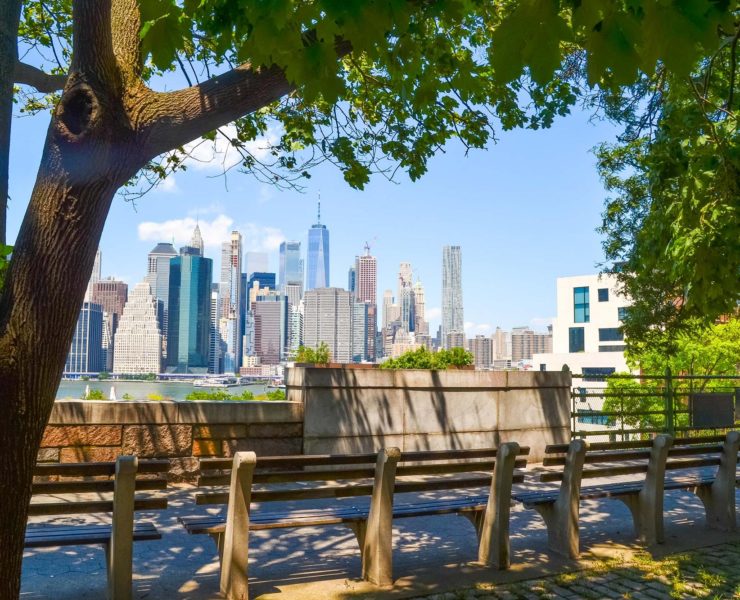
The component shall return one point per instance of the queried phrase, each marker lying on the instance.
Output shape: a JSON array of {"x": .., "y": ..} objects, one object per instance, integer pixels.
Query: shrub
[
  {"x": 95, "y": 394},
  {"x": 218, "y": 395},
  {"x": 318, "y": 356},
  {"x": 423, "y": 358}
]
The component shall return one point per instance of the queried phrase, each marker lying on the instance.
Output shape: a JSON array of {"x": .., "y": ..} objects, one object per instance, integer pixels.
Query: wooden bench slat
[
  {"x": 599, "y": 457},
  {"x": 91, "y": 506},
  {"x": 93, "y": 469},
  {"x": 48, "y": 536},
  {"x": 81, "y": 487},
  {"x": 313, "y": 460},
  {"x": 562, "y": 448}
]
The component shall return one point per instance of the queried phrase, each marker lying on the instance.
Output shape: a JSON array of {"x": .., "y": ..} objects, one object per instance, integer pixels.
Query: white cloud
[
  {"x": 540, "y": 323},
  {"x": 181, "y": 230},
  {"x": 477, "y": 328},
  {"x": 220, "y": 155},
  {"x": 256, "y": 238},
  {"x": 434, "y": 313},
  {"x": 169, "y": 185}
]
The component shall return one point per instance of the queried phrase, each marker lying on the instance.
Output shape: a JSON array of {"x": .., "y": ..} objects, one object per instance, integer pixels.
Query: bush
[
  {"x": 218, "y": 395},
  {"x": 95, "y": 394},
  {"x": 423, "y": 358},
  {"x": 127, "y": 396},
  {"x": 319, "y": 356},
  {"x": 276, "y": 395}
]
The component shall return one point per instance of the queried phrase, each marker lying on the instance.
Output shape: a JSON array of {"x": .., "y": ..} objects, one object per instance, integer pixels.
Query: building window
[
  {"x": 596, "y": 373},
  {"x": 618, "y": 348},
  {"x": 592, "y": 417},
  {"x": 610, "y": 334},
  {"x": 576, "y": 342},
  {"x": 543, "y": 367},
  {"x": 581, "y": 312},
  {"x": 603, "y": 294},
  {"x": 622, "y": 313}
]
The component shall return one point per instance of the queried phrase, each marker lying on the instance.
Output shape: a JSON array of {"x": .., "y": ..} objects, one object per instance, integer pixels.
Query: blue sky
[{"x": 524, "y": 211}]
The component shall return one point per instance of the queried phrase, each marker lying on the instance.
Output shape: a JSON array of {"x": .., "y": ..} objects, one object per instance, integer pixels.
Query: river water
[{"x": 142, "y": 390}]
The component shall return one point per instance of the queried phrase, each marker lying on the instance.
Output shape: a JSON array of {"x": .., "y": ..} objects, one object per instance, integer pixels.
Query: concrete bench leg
[
  {"x": 647, "y": 505},
  {"x": 235, "y": 553},
  {"x": 377, "y": 541},
  {"x": 119, "y": 553},
  {"x": 493, "y": 534},
  {"x": 561, "y": 517},
  {"x": 719, "y": 498}
]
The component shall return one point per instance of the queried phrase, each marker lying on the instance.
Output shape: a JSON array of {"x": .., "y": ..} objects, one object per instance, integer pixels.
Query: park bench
[
  {"x": 100, "y": 487},
  {"x": 560, "y": 507},
  {"x": 377, "y": 477}
]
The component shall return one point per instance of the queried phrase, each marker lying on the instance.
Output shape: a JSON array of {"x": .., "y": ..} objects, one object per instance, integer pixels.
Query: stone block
[
  {"x": 207, "y": 447},
  {"x": 81, "y": 435},
  {"x": 450, "y": 411},
  {"x": 47, "y": 455},
  {"x": 450, "y": 441},
  {"x": 158, "y": 441},
  {"x": 534, "y": 408},
  {"x": 183, "y": 470},
  {"x": 351, "y": 445},
  {"x": 538, "y": 379},
  {"x": 206, "y": 412},
  {"x": 263, "y": 446},
  {"x": 274, "y": 430},
  {"x": 536, "y": 439},
  {"x": 342, "y": 412},
  {"x": 219, "y": 431},
  {"x": 452, "y": 379},
  {"x": 105, "y": 412},
  {"x": 90, "y": 454},
  {"x": 311, "y": 377}
]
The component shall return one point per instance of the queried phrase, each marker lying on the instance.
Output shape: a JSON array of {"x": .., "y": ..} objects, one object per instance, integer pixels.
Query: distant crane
[{"x": 369, "y": 245}]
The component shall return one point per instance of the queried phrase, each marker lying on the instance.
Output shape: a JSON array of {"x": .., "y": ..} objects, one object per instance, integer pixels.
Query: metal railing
[{"x": 623, "y": 407}]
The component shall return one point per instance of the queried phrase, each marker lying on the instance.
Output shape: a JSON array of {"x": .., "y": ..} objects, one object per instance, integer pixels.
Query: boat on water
[
  {"x": 216, "y": 382},
  {"x": 272, "y": 388}
]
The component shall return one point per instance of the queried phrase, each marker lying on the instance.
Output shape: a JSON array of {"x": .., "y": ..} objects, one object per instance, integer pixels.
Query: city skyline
[{"x": 510, "y": 223}]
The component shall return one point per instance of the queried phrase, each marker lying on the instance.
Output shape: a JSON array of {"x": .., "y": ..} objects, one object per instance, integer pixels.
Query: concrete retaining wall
[
  {"x": 329, "y": 410},
  {"x": 181, "y": 431},
  {"x": 362, "y": 410}
]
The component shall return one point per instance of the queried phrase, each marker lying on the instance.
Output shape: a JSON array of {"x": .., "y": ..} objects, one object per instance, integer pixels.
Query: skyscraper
[
  {"x": 158, "y": 278},
  {"x": 197, "y": 240},
  {"x": 291, "y": 266},
  {"x": 328, "y": 318},
  {"x": 452, "y": 297},
  {"x": 86, "y": 351},
  {"x": 318, "y": 255},
  {"x": 189, "y": 312},
  {"x": 270, "y": 315},
  {"x": 366, "y": 267},
  {"x": 231, "y": 276},
  {"x": 421, "y": 326},
  {"x": 138, "y": 340},
  {"x": 216, "y": 344}
]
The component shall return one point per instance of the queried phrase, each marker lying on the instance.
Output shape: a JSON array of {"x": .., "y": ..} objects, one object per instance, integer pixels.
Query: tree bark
[
  {"x": 106, "y": 127},
  {"x": 10, "y": 14}
]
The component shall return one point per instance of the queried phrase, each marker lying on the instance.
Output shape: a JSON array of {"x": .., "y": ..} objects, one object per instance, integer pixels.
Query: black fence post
[{"x": 669, "y": 424}]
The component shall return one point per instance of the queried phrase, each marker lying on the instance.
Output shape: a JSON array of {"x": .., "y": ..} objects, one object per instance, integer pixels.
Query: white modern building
[
  {"x": 586, "y": 333},
  {"x": 138, "y": 341}
]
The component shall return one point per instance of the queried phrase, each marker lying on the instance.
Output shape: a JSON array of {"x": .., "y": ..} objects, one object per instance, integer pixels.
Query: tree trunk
[
  {"x": 88, "y": 154},
  {"x": 10, "y": 12}
]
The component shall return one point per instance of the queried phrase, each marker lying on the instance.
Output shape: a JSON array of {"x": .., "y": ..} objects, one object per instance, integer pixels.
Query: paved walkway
[
  {"x": 712, "y": 572},
  {"x": 431, "y": 556}
]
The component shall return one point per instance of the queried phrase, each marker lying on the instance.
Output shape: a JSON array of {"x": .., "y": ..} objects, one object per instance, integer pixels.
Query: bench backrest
[
  {"x": 127, "y": 474},
  {"x": 352, "y": 475},
  {"x": 608, "y": 459}
]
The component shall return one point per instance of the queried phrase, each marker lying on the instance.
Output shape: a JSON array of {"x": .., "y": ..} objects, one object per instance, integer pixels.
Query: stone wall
[
  {"x": 362, "y": 410},
  {"x": 180, "y": 431}
]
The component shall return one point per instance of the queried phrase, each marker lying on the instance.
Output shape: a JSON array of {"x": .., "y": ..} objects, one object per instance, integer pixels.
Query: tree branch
[
  {"x": 92, "y": 46},
  {"x": 172, "y": 119},
  {"x": 175, "y": 118},
  {"x": 45, "y": 83},
  {"x": 125, "y": 27}
]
